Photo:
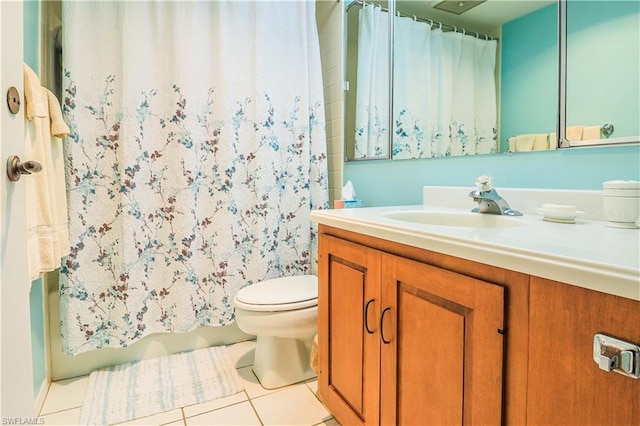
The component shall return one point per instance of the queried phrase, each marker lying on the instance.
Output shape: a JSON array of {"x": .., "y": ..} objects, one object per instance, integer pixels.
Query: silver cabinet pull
[{"x": 16, "y": 168}]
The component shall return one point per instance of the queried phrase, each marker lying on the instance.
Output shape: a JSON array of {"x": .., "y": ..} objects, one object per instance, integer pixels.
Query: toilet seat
[{"x": 279, "y": 294}]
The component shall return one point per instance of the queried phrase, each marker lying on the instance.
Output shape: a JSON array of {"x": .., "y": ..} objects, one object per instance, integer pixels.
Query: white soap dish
[{"x": 559, "y": 213}]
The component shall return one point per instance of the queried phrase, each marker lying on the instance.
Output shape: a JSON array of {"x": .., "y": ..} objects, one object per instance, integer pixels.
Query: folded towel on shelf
[
  {"x": 521, "y": 143},
  {"x": 574, "y": 133},
  {"x": 525, "y": 142},
  {"x": 591, "y": 133},
  {"x": 46, "y": 202},
  {"x": 530, "y": 142},
  {"x": 540, "y": 142}
]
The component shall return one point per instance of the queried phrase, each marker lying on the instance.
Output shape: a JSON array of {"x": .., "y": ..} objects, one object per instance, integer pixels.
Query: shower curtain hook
[
  {"x": 464, "y": 32},
  {"x": 415, "y": 19},
  {"x": 440, "y": 25}
]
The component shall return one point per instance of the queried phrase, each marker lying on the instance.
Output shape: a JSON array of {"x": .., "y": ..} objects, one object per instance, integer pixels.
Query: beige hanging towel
[{"x": 47, "y": 230}]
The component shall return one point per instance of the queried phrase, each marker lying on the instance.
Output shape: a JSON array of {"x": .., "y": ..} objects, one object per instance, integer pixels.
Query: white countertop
[{"x": 587, "y": 254}]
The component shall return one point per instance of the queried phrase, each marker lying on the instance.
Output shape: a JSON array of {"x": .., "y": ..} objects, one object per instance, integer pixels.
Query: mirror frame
[{"x": 563, "y": 142}]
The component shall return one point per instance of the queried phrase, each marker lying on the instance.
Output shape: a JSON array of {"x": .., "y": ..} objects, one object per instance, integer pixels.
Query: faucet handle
[{"x": 484, "y": 183}]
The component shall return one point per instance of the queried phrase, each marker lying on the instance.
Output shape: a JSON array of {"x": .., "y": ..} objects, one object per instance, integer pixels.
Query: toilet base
[{"x": 282, "y": 361}]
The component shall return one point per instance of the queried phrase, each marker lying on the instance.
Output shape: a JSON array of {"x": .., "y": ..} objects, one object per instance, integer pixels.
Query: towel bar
[{"x": 607, "y": 129}]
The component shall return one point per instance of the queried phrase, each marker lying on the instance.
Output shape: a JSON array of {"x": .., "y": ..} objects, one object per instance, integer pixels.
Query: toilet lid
[{"x": 279, "y": 294}]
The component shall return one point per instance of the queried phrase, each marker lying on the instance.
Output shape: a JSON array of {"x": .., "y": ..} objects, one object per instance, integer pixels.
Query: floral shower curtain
[
  {"x": 444, "y": 100},
  {"x": 197, "y": 151},
  {"x": 412, "y": 89},
  {"x": 372, "y": 91},
  {"x": 444, "y": 92},
  {"x": 473, "y": 126}
]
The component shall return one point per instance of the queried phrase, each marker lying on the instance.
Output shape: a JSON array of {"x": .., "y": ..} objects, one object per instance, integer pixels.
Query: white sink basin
[{"x": 468, "y": 220}]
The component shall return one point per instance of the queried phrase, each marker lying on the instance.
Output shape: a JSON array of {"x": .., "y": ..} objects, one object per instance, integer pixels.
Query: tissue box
[{"x": 351, "y": 204}]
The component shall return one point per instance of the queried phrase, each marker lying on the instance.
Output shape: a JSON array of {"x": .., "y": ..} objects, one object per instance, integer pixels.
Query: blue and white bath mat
[{"x": 140, "y": 389}]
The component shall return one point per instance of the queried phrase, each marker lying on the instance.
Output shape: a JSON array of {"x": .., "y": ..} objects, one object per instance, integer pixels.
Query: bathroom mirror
[
  {"x": 602, "y": 69},
  {"x": 367, "y": 75},
  {"x": 523, "y": 82},
  {"x": 490, "y": 84}
]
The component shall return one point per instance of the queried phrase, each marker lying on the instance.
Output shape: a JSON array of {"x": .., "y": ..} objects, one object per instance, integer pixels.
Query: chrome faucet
[{"x": 488, "y": 199}]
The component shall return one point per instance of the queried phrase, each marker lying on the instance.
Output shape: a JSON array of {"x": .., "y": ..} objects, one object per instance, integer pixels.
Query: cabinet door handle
[
  {"x": 366, "y": 317},
  {"x": 384, "y": 311}
]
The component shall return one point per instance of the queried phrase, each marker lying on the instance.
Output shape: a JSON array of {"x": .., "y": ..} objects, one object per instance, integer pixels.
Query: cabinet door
[
  {"x": 566, "y": 387},
  {"x": 442, "y": 350},
  {"x": 348, "y": 312}
]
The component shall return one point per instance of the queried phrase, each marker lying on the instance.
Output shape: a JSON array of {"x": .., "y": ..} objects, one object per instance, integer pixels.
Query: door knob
[{"x": 15, "y": 168}]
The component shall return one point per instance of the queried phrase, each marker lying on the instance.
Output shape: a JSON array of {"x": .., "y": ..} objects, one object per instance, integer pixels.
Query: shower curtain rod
[{"x": 429, "y": 21}]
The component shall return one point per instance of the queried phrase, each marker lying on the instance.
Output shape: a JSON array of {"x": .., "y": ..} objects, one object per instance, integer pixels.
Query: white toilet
[{"x": 283, "y": 314}]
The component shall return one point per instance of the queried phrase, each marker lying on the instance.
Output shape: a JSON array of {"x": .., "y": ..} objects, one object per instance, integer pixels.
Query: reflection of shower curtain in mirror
[
  {"x": 412, "y": 89},
  {"x": 197, "y": 151},
  {"x": 444, "y": 92},
  {"x": 372, "y": 92}
]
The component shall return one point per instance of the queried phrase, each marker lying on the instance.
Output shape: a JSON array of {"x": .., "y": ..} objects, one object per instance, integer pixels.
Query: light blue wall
[
  {"x": 529, "y": 75},
  {"x": 31, "y": 20},
  {"x": 388, "y": 182},
  {"x": 31, "y": 53},
  {"x": 603, "y": 39}
]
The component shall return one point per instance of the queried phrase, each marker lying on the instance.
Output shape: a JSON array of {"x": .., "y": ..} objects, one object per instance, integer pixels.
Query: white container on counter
[{"x": 621, "y": 203}]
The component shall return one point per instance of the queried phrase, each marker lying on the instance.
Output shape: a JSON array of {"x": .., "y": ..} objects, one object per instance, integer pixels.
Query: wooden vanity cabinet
[
  {"x": 409, "y": 336},
  {"x": 566, "y": 386},
  {"x": 405, "y": 342}
]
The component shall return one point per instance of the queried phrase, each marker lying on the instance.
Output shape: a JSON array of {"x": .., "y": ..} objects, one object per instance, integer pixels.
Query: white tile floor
[{"x": 292, "y": 405}]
